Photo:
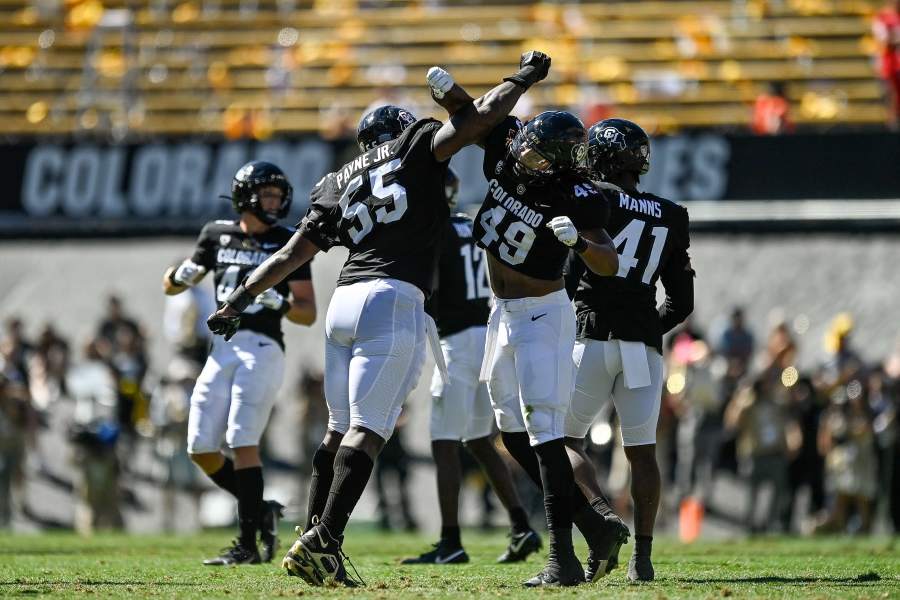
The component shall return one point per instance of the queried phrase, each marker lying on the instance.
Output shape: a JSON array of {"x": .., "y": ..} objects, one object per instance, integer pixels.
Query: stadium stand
[{"x": 250, "y": 68}]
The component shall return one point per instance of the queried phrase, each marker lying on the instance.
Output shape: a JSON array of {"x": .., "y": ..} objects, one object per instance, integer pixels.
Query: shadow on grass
[
  {"x": 53, "y": 551},
  {"x": 92, "y": 582},
  {"x": 870, "y": 577}
]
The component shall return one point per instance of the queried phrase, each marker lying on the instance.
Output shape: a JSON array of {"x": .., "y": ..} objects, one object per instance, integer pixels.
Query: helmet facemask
[
  {"x": 270, "y": 217},
  {"x": 527, "y": 161}
]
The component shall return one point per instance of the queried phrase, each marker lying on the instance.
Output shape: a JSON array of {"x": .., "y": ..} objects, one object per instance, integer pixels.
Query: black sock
[
  {"x": 224, "y": 477},
  {"x": 559, "y": 484},
  {"x": 250, "y": 494},
  {"x": 352, "y": 469},
  {"x": 451, "y": 536},
  {"x": 519, "y": 447},
  {"x": 561, "y": 542},
  {"x": 519, "y": 520},
  {"x": 643, "y": 545},
  {"x": 601, "y": 505},
  {"x": 319, "y": 483},
  {"x": 584, "y": 516}
]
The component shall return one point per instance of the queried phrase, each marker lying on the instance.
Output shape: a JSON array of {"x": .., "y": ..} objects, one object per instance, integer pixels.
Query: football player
[
  {"x": 539, "y": 205},
  {"x": 387, "y": 207},
  {"x": 237, "y": 387},
  {"x": 461, "y": 410},
  {"x": 620, "y": 328}
]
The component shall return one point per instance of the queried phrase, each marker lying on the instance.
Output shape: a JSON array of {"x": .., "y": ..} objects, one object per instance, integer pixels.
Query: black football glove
[
  {"x": 225, "y": 325},
  {"x": 533, "y": 67}
]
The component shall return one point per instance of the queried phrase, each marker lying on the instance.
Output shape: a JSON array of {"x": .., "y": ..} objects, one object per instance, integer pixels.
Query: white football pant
[
  {"x": 374, "y": 353},
  {"x": 235, "y": 392}
]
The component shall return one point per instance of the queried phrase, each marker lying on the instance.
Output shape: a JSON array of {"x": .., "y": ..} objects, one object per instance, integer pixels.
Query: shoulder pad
[{"x": 605, "y": 185}]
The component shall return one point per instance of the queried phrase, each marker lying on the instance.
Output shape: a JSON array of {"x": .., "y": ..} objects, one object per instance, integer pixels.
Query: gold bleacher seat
[{"x": 675, "y": 64}]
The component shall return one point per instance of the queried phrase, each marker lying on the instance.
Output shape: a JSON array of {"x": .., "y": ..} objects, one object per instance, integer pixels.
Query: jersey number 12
[{"x": 476, "y": 277}]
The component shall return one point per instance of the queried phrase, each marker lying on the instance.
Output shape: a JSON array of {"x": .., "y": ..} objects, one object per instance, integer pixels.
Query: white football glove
[
  {"x": 440, "y": 81},
  {"x": 564, "y": 230},
  {"x": 188, "y": 273},
  {"x": 270, "y": 299}
]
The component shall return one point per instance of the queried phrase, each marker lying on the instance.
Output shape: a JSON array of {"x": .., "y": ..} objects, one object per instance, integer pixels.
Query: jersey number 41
[{"x": 630, "y": 237}]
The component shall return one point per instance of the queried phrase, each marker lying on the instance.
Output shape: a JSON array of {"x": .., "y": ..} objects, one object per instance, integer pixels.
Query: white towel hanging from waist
[
  {"x": 490, "y": 344},
  {"x": 435, "y": 342},
  {"x": 635, "y": 367}
]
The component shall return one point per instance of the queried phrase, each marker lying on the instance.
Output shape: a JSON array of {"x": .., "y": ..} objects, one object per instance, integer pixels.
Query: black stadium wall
[{"x": 170, "y": 186}]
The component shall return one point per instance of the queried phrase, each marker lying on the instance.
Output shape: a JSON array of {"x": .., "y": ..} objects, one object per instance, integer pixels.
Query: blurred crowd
[
  {"x": 809, "y": 451},
  {"x": 93, "y": 426},
  {"x": 805, "y": 450},
  {"x": 96, "y": 394}
]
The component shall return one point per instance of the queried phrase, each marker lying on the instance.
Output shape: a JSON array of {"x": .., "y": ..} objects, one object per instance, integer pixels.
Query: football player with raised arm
[
  {"x": 620, "y": 328},
  {"x": 387, "y": 207},
  {"x": 461, "y": 412},
  {"x": 237, "y": 387},
  {"x": 539, "y": 205}
]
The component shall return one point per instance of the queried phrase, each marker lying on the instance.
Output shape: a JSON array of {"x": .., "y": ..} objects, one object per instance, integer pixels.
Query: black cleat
[
  {"x": 521, "y": 545},
  {"x": 640, "y": 568},
  {"x": 441, "y": 554},
  {"x": 318, "y": 559},
  {"x": 604, "y": 543},
  {"x": 613, "y": 562},
  {"x": 563, "y": 571},
  {"x": 272, "y": 512},
  {"x": 236, "y": 554}
]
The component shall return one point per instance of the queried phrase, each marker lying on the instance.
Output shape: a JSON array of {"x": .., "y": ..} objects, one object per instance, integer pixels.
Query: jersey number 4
[
  {"x": 630, "y": 236},
  {"x": 358, "y": 212},
  {"x": 228, "y": 282}
]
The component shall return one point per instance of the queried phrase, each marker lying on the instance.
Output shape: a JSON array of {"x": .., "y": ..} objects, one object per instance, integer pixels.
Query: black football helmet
[
  {"x": 549, "y": 144},
  {"x": 381, "y": 125},
  {"x": 451, "y": 188},
  {"x": 617, "y": 146},
  {"x": 246, "y": 183}
]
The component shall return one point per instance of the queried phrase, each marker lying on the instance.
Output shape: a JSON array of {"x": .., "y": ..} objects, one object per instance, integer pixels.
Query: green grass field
[{"x": 118, "y": 566}]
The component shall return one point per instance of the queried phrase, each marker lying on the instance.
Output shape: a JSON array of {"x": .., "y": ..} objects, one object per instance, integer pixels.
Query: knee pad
[
  {"x": 339, "y": 421},
  {"x": 509, "y": 417},
  {"x": 641, "y": 435},
  {"x": 543, "y": 423}
]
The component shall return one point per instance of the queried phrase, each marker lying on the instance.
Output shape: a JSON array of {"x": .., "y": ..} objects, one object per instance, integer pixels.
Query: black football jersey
[
  {"x": 511, "y": 224},
  {"x": 387, "y": 207},
  {"x": 462, "y": 294},
  {"x": 231, "y": 254},
  {"x": 651, "y": 236}
]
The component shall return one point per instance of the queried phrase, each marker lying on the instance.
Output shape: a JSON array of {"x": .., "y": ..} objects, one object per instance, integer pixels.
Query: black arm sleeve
[{"x": 678, "y": 280}]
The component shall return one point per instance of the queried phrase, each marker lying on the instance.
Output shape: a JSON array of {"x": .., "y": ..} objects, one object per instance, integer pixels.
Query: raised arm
[
  {"x": 446, "y": 92},
  {"x": 470, "y": 121}
]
